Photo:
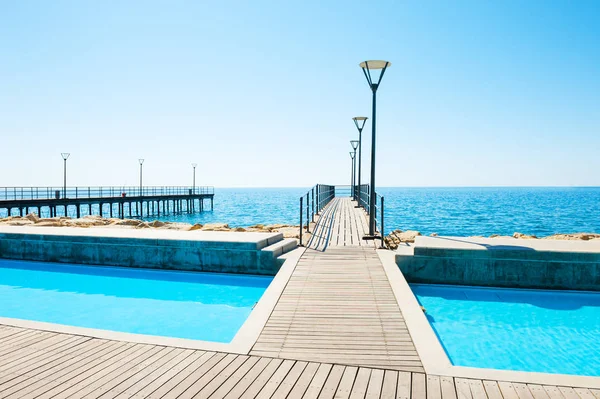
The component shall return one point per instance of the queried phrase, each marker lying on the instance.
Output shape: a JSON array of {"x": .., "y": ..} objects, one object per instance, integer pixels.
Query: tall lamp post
[
  {"x": 354, "y": 144},
  {"x": 359, "y": 121},
  {"x": 65, "y": 156},
  {"x": 367, "y": 67},
  {"x": 194, "y": 180},
  {"x": 141, "y": 160}
]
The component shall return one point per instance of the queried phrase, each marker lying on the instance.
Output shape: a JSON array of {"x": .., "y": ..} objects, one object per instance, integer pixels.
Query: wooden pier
[
  {"x": 111, "y": 202},
  {"x": 337, "y": 331}
]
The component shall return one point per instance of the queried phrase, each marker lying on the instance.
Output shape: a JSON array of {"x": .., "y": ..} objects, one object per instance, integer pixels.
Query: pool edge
[{"x": 432, "y": 354}]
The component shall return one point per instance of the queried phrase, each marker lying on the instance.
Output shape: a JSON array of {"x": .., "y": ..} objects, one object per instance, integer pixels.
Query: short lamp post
[
  {"x": 194, "y": 179},
  {"x": 141, "y": 160},
  {"x": 359, "y": 121},
  {"x": 367, "y": 67},
  {"x": 354, "y": 144},
  {"x": 65, "y": 156}
]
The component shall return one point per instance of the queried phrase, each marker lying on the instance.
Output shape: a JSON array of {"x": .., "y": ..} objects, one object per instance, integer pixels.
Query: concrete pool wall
[
  {"x": 225, "y": 252},
  {"x": 549, "y": 264}
]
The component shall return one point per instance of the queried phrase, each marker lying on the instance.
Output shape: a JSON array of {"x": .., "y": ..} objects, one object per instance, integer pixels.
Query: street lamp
[
  {"x": 367, "y": 67},
  {"x": 352, "y": 155},
  {"x": 359, "y": 121},
  {"x": 354, "y": 144},
  {"x": 194, "y": 181},
  {"x": 65, "y": 156},
  {"x": 141, "y": 160}
]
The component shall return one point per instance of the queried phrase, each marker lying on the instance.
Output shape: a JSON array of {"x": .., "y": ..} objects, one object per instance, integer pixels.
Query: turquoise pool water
[
  {"x": 201, "y": 306},
  {"x": 516, "y": 329}
]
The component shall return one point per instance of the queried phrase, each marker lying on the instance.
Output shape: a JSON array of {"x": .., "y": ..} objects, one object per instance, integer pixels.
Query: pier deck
[
  {"x": 336, "y": 332},
  {"x": 338, "y": 305}
]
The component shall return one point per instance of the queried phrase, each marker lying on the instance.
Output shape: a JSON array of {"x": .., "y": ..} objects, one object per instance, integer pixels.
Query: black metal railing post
[
  {"x": 301, "y": 198},
  {"x": 307, "y": 212},
  {"x": 382, "y": 226}
]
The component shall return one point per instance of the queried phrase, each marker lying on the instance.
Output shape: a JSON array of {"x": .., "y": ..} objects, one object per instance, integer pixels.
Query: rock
[
  {"x": 197, "y": 226},
  {"x": 126, "y": 222},
  {"x": 398, "y": 236},
  {"x": 239, "y": 229},
  {"x": 156, "y": 223},
  {"x": 33, "y": 217},
  {"x": 575, "y": 236},
  {"x": 433, "y": 235},
  {"x": 216, "y": 227},
  {"x": 495, "y": 235},
  {"x": 524, "y": 236},
  {"x": 19, "y": 222},
  {"x": 143, "y": 225}
]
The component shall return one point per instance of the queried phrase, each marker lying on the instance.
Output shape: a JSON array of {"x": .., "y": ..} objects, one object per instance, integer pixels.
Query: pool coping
[
  {"x": 241, "y": 343},
  {"x": 432, "y": 354}
]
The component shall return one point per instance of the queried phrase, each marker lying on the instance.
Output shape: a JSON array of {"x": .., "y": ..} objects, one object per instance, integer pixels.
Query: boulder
[
  {"x": 126, "y": 222},
  {"x": 197, "y": 226},
  {"x": 433, "y": 235},
  {"x": 216, "y": 227},
  {"x": 156, "y": 223},
  {"x": 33, "y": 217},
  {"x": 524, "y": 236},
  {"x": 239, "y": 229}
]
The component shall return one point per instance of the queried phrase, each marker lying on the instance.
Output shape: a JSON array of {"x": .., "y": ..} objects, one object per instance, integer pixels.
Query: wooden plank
[
  {"x": 390, "y": 381},
  {"x": 448, "y": 388},
  {"x": 264, "y": 368},
  {"x": 492, "y": 390},
  {"x": 221, "y": 359},
  {"x": 477, "y": 389},
  {"x": 289, "y": 381},
  {"x": 508, "y": 390},
  {"x": 434, "y": 387},
  {"x": 463, "y": 388},
  {"x": 538, "y": 391},
  {"x": 361, "y": 383},
  {"x": 404, "y": 386},
  {"x": 332, "y": 382},
  {"x": 418, "y": 386},
  {"x": 235, "y": 378},
  {"x": 253, "y": 390},
  {"x": 212, "y": 380},
  {"x": 375, "y": 384},
  {"x": 584, "y": 393},
  {"x": 318, "y": 381},
  {"x": 522, "y": 390},
  {"x": 552, "y": 391},
  {"x": 345, "y": 386},
  {"x": 568, "y": 393}
]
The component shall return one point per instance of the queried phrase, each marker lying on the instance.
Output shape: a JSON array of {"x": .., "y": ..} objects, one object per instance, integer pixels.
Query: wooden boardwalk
[
  {"x": 336, "y": 332},
  {"x": 338, "y": 305},
  {"x": 39, "y": 364}
]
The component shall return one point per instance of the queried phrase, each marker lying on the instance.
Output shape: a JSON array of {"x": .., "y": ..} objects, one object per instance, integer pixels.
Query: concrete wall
[
  {"x": 226, "y": 255},
  {"x": 517, "y": 265}
]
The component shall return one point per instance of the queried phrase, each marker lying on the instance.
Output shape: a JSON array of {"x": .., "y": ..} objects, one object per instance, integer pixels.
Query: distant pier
[{"x": 111, "y": 202}]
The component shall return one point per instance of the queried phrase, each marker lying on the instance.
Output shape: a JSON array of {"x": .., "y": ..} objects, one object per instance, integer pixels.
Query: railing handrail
[
  {"x": 14, "y": 193},
  {"x": 324, "y": 194}
]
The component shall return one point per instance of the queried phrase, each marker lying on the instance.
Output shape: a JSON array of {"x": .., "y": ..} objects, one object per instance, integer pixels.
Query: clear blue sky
[{"x": 480, "y": 93}]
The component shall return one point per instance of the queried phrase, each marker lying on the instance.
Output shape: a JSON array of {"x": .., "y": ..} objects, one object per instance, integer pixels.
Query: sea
[
  {"x": 456, "y": 211},
  {"x": 464, "y": 211}
]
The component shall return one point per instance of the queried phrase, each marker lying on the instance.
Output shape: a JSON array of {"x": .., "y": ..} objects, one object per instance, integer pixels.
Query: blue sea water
[
  {"x": 516, "y": 329},
  {"x": 446, "y": 211},
  {"x": 202, "y": 306}
]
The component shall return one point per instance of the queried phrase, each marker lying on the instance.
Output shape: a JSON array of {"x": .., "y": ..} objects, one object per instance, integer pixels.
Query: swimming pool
[
  {"x": 191, "y": 305},
  {"x": 515, "y": 329}
]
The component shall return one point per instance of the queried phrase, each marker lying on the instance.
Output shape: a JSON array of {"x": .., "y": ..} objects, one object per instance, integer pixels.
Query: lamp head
[
  {"x": 194, "y": 165},
  {"x": 352, "y": 154},
  {"x": 141, "y": 161},
  {"x": 354, "y": 144},
  {"x": 65, "y": 155},
  {"x": 360, "y": 121},
  {"x": 374, "y": 65}
]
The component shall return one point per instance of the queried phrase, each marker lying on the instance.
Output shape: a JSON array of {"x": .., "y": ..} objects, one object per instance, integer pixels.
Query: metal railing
[
  {"x": 313, "y": 202},
  {"x": 30, "y": 193},
  {"x": 364, "y": 201}
]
